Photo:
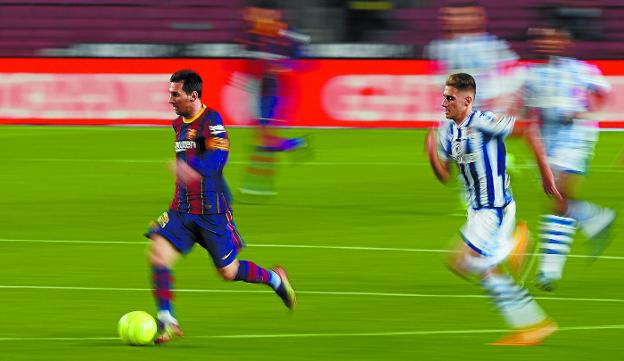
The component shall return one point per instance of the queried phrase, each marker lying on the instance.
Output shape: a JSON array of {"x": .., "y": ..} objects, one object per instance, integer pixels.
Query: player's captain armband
[
  {"x": 216, "y": 129},
  {"x": 218, "y": 143}
]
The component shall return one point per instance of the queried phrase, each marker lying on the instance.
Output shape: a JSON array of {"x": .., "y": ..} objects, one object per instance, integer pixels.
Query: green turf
[{"x": 364, "y": 188}]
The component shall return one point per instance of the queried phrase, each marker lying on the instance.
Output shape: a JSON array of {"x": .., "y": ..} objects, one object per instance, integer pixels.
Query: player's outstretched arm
[
  {"x": 440, "y": 169},
  {"x": 533, "y": 137}
]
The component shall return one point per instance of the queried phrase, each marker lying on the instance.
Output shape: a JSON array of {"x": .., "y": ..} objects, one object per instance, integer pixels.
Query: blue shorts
[{"x": 214, "y": 232}]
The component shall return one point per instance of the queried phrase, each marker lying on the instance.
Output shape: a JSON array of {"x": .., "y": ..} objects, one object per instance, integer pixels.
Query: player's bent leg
[
  {"x": 222, "y": 249},
  {"x": 488, "y": 243},
  {"x": 229, "y": 272}
]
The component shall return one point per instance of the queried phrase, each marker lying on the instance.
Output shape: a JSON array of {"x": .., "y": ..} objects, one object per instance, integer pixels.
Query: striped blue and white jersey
[
  {"x": 477, "y": 147},
  {"x": 560, "y": 88},
  {"x": 487, "y": 58},
  {"x": 471, "y": 53}
]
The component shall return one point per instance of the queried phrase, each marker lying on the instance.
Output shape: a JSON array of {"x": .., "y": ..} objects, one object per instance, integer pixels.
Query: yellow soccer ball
[{"x": 137, "y": 328}]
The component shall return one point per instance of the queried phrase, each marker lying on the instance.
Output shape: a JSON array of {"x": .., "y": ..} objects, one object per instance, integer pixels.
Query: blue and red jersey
[{"x": 202, "y": 143}]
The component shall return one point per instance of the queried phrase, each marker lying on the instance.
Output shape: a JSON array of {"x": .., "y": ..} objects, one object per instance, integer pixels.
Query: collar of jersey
[
  {"x": 467, "y": 120},
  {"x": 191, "y": 120}
]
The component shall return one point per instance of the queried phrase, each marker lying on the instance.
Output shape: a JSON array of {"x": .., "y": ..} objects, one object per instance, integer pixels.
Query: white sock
[
  {"x": 274, "y": 280},
  {"x": 515, "y": 303},
  {"x": 166, "y": 317},
  {"x": 557, "y": 236}
]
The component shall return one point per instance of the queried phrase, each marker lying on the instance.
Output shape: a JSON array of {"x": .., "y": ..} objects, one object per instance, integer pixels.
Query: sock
[
  {"x": 285, "y": 145},
  {"x": 515, "y": 303},
  {"x": 584, "y": 213},
  {"x": 163, "y": 281},
  {"x": 252, "y": 273},
  {"x": 166, "y": 317},
  {"x": 557, "y": 237}
]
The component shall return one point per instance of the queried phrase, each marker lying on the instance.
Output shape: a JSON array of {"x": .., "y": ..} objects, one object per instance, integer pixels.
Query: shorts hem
[
  {"x": 472, "y": 246},
  {"x": 168, "y": 237}
]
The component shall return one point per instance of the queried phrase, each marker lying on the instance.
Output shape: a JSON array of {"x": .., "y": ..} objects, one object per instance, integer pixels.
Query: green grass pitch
[{"x": 95, "y": 189}]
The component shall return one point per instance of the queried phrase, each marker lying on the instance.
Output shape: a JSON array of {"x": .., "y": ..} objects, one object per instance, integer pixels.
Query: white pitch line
[
  {"x": 6, "y": 240},
  {"x": 238, "y": 162},
  {"x": 323, "y": 334},
  {"x": 417, "y": 250},
  {"x": 58, "y": 338},
  {"x": 269, "y": 245},
  {"x": 594, "y": 167},
  {"x": 320, "y": 293}
]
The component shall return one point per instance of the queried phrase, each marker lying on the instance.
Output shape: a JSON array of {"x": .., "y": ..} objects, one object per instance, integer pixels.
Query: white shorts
[
  {"x": 489, "y": 232},
  {"x": 570, "y": 148}
]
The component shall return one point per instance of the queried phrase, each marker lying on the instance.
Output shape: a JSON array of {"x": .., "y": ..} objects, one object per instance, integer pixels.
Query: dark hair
[
  {"x": 191, "y": 81},
  {"x": 264, "y": 4},
  {"x": 461, "y": 4},
  {"x": 462, "y": 81}
]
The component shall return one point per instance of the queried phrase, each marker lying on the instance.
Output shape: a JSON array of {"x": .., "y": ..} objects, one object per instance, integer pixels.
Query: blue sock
[
  {"x": 163, "y": 280},
  {"x": 557, "y": 234},
  {"x": 252, "y": 273}
]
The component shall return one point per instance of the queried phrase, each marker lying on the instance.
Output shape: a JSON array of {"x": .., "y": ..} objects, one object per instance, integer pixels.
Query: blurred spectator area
[
  {"x": 172, "y": 27},
  {"x": 596, "y": 25},
  {"x": 27, "y": 26}
]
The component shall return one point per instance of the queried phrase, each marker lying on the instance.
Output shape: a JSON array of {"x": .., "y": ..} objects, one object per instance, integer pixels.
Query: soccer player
[
  {"x": 200, "y": 210},
  {"x": 474, "y": 140},
  {"x": 270, "y": 47},
  {"x": 467, "y": 47},
  {"x": 559, "y": 93}
]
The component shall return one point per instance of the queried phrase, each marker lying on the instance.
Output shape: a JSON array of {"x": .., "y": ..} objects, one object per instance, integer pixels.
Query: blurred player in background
[
  {"x": 270, "y": 47},
  {"x": 474, "y": 140},
  {"x": 559, "y": 93},
  {"x": 467, "y": 47},
  {"x": 200, "y": 210}
]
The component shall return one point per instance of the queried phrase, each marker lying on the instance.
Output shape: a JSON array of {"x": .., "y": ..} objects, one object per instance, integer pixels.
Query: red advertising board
[{"x": 327, "y": 93}]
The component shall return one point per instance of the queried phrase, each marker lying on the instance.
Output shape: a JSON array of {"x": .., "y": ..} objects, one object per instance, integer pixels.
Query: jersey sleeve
[
  {"x": 215, "y": 147},
  {"x": 444, "y": 141},
  {"x": 499, "y": 125},
  {"x": 594, "y": 80}
]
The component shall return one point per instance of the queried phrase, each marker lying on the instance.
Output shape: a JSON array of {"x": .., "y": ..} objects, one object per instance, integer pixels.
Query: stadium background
[{"x": 362, "y": 228}]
